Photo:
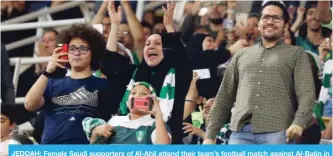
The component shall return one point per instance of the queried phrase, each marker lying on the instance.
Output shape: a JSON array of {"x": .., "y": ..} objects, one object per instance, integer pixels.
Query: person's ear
[{"x": 12, "y": 126}]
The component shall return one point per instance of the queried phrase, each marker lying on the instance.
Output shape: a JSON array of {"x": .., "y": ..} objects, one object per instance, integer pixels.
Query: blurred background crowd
[{"x": 223, "y": 26}]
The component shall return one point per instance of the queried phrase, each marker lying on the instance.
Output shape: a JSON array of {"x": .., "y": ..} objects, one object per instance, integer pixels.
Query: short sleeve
[{"x": 48, "y": 90}]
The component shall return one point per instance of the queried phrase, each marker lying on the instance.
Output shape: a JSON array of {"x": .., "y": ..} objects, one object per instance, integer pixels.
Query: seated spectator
[
  {"x": 7, "y": 126},
  {"x": 67, "y": 101},
  {"x": 162, "y": 68},
  {"x": 138, "y": 127}
]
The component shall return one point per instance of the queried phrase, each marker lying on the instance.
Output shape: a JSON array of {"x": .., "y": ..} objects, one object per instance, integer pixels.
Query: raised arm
[
  {"x": 168, "y": 15},
  {"x": 100, "y": 13},
  {"x": 191, "y": 97},
  {"x": 115, "y": 18},
  {"x": 34, "y": 98},
  {"x": 136, "y": 29},
  {"x": 323, "y": 13},
  {"x": 299, "y": 19}
]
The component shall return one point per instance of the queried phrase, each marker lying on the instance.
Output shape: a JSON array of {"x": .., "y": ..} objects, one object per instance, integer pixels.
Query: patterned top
[{"x": 265, "y": 86}]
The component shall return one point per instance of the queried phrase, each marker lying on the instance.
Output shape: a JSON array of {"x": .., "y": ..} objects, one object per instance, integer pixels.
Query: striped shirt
[{"x": 264, "y": 85}]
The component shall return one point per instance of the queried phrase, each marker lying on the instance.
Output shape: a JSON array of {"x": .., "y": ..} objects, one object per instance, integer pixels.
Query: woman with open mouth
[{"x": 165, "y": 67}]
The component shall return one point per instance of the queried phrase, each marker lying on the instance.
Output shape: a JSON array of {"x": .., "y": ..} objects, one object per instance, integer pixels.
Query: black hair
[
  {"x": 87, "y": 33},
  {"x": 277, "y": 4},
  {"x": 9, "y": 112}
]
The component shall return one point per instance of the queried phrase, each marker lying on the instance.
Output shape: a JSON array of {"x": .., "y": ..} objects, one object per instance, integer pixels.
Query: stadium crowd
[{"x": 217, "y": 76}]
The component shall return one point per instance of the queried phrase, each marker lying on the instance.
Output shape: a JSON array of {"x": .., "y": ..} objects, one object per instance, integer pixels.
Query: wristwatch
[{"x": 45, "y": 73}]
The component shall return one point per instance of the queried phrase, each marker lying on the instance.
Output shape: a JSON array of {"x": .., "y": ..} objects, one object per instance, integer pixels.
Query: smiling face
[
  {"x": 153, "y": 51},
  {"x": 79, "y": 54},
  {"x": 208, "y": 44},
  {"x": 311, "y": 21},
  {"x": 272, "y": 24}
]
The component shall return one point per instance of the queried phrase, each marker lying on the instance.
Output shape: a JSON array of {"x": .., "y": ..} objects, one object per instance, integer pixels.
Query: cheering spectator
[
  {"x": 120, "y": 130},
  {"x": 67, "y": 101},
  {"x": 161, "y": 68},
  {"x": 312, "y": 34},
  {"x": 263, "y": 82}
]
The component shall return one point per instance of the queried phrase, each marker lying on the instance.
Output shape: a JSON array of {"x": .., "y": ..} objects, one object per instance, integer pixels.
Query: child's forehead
[{"x": 140, "y": 88}]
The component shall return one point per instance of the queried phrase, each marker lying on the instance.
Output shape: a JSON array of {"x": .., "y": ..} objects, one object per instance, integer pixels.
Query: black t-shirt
[{"x": 68, "y": 101}]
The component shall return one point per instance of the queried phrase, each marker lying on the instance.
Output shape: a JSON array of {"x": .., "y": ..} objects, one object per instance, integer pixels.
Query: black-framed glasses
[
  {"x": 276, "y": 18},
  {"x": 81, "y": 49}
]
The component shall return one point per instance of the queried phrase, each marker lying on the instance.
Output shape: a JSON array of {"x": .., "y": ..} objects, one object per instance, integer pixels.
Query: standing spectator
[
  {"x": 161, "y": 67},
  {"x": 312, "y": 34},
  {"x": 67, "y": 101},
  {"x": 7, "y": 86},
  {"x": 264, "y": 82}
]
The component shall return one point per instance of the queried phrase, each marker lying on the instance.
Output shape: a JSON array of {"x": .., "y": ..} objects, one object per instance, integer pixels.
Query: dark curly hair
[{"x": 87, "y": 33}]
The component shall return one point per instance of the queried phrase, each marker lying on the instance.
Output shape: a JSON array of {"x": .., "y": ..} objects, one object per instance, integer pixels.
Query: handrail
[
  {"x": 34, "y": 25},
  {"x": 29, "y": 60},
  {"x": 21, "y": 43},
  {"x": 43, "y": 11}
]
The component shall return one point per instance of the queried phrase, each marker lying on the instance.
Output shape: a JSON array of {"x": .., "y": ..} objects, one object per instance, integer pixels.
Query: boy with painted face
[{"x": 138, "y": 127}]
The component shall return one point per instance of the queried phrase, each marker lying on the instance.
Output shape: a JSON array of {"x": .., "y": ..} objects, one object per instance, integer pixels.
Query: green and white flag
[
  {"x": 166, "y": 96},
  {"x": 325, "y": 93}
]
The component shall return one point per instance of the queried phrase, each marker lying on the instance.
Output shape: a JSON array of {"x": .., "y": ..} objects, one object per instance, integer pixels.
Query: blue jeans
[
  {"x": 328, "y": 108},
  {"x": 245, "y": 136}
]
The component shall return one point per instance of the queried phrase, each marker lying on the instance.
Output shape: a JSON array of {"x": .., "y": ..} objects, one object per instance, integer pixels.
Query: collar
[
  {"x": 145, "y": 117},
  {"x": 280, "y": 42}
]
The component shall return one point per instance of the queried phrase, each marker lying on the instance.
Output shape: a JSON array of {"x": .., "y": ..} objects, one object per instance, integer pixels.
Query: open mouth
[{"x": 152, "y": 55}]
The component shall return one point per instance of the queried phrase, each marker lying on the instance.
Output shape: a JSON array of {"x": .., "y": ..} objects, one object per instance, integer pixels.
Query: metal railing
[
  {"x": 42, "y": 12},
  {"x": 18, "y": 62},
  {"x": 35, "y": 25}
]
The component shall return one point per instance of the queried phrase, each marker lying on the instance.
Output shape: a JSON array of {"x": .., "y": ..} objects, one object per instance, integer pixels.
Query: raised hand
[
  {"x": 168, "y": 15},
  {"x": 115, "y": 16},
  {"x": 189, "y": 128},
  {"x": 55, "y": 61}
]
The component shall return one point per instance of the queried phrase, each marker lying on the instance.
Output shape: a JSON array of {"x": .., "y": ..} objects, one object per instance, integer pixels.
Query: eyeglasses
[
  {"x": 81, "y": 49},
  {"x": 276, "y": 18}
]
